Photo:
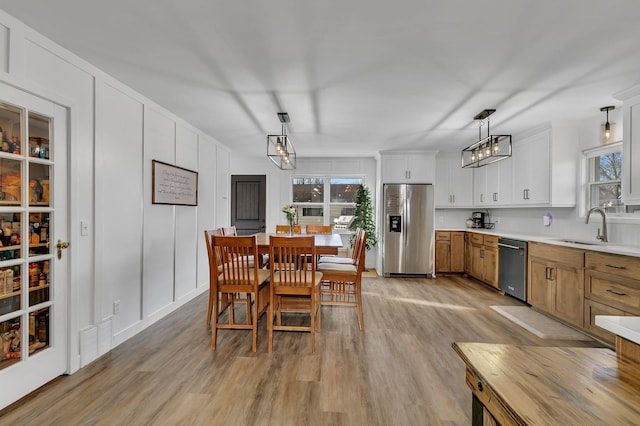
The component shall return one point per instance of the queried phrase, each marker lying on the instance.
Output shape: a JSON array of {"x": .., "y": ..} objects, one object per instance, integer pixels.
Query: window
[
  {"x": 343, "y": 200},
  {"x": 604, "y": 179},
  {"x": 314, "y": 196},
  {"x": 308, "y": 198}
]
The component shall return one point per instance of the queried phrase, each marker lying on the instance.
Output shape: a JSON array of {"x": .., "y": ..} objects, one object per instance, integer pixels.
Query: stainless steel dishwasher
[{"x": 513, "y": 267}]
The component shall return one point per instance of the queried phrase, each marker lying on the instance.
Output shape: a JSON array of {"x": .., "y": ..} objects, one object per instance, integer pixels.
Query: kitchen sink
[{"x": 584, "y": 243}]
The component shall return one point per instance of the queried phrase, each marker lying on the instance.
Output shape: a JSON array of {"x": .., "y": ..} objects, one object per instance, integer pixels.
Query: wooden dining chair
[
  {"x": 229, "y": 231},
  {"x": 237, "y": 276},
  {"x": 214, "y": 270},
  {"x": 318, "y": 229},
  {"x": 351, "y": 260},
  {"x": 226, "y": 300},
  {"x": 295, "y": 287},
  {"x": 342, "y": 282},
  {"x": 284, "y": 229}
]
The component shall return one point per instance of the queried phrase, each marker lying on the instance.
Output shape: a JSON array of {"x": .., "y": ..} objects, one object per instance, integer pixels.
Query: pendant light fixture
[
  {"x": 487, "y": 150},
  {"x": 608, "y": 132},
  {"x": 280, "y": 149}
]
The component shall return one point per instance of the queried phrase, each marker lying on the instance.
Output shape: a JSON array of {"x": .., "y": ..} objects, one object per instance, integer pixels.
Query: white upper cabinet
[
  {"x": 480, "y": 186},
  {"x": 499, "y": 183},
  {"x": 531, "y": 163},
  {"x": 408, "y": 167},
  {"x": 630, "y": 145},
  {"x": 544, "y": 167},
  {"x": 453, "y": 184},
  {"x": 492, "y": 184}
]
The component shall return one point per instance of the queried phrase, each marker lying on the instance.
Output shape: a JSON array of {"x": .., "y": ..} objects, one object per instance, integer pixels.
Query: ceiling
[{"x": 356, "y": 76}]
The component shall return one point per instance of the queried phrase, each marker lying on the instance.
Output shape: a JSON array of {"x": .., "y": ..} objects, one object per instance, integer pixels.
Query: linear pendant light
[
  {"x": 280, "y": 149},
  {"x": 487, "y": 150}
]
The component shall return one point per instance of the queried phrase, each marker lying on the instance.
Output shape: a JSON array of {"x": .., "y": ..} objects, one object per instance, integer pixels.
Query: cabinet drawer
[
  {"x": 491, "y": 241},
  {"x": 624, "y": 266},
  {"x": 476, "y": 239},
  {"x": 618, "y": 292},
  {"x": 569, "y": 256},
  {"x": 443, "y": 236},
  {"x": 591, "y": 309}
]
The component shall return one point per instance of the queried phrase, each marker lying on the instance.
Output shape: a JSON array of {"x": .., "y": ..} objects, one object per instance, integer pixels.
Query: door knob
[{"x": 61, "y": 246}]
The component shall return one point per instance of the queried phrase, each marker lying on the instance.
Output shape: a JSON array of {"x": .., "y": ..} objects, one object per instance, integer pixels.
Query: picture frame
[{"x": 173, "y": 185}]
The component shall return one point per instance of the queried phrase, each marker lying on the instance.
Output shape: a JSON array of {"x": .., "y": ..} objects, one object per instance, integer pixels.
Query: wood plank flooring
[{"x": 401, "y": 370}]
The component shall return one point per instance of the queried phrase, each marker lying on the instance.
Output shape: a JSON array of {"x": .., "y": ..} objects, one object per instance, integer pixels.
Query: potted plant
[{"x": 363, "y": 217}]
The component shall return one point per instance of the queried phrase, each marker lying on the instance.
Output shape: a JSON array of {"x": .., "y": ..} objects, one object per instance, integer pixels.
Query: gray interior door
[{"x": 248, "y": 203}]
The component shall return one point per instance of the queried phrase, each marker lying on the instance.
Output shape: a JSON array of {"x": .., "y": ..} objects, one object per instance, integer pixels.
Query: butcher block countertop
[{"x": 551, "y": 385}]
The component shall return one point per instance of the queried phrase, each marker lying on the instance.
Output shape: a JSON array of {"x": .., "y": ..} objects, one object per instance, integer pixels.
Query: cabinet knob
[{"x": 480, "y": 386}]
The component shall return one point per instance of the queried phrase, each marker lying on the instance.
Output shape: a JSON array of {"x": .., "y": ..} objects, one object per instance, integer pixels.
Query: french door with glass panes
[{"x": 33, "y": 219}]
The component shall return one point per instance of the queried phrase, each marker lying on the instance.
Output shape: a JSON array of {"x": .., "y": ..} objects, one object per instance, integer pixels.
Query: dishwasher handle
[{"x": 510, "y": 246}]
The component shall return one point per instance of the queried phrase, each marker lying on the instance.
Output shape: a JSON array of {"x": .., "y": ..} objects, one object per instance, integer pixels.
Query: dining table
[{"x": 326, "y": 244}]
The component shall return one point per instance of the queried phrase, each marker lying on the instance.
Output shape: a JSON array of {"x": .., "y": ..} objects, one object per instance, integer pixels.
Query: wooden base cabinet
[
  {"x": 556, "y": 281},
  {"x": 612, "y": 287},
  {"x": 482, "y": 261},
  {"x": 450, "y": 251}
]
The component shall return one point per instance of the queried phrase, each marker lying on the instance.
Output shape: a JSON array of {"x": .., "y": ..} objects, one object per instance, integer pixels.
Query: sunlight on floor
[{"x": 421, "y": 302}]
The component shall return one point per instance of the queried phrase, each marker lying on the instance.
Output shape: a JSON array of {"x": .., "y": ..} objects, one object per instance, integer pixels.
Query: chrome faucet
[{"x": 602, "y": 237}]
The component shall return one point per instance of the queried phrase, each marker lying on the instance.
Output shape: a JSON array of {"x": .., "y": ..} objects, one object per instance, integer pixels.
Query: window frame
[
  {"x": 588, "y": 181},
  {"x": 326, "y": 204}
]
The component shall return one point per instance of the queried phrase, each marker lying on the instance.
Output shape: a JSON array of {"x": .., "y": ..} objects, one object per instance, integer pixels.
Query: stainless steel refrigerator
[{"x": 408, "y": 241}]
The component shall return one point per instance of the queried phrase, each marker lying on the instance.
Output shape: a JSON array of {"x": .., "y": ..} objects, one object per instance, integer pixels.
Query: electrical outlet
[
  {"x": 496, "y": 220},
  {"x": 116, "y": 307}
]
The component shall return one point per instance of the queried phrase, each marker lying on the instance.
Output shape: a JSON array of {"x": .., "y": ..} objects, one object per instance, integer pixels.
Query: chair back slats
[
  {"x": 318, "y": 229},
  {"x": 358, "y": 240},
  {"x": 236, "y": 253},
  {"x": 284, "y": 229},
  {"x": 293, "y": 262},
  {"x": 359, "y": 253},
  {"x": 229, "y": 231}
]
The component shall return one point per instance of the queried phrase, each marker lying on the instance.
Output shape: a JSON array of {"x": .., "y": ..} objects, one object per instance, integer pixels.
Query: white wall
[{"x": 150, "y": 258}]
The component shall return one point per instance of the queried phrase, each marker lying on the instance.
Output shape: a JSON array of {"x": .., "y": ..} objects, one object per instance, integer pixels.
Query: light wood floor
[{"x": 400, "y": 371}]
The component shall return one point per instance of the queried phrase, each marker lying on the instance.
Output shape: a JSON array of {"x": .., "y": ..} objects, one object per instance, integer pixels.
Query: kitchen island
[{"x": 527, "y": 385}]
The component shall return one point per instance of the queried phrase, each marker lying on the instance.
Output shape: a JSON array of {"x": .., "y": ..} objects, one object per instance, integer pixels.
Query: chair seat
[
  {"x": 263, "y": 275},
  {"x": 337, "y": 269},
  {"x": 336, "y": 259},
  {"x": 308, "y": 275}
]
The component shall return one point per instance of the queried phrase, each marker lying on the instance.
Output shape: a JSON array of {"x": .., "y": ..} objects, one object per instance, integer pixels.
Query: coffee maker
[{"x": 478, "y": 219}]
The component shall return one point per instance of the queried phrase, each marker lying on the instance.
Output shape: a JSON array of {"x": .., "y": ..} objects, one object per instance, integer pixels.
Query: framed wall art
[{"x": 173, "y": 185}]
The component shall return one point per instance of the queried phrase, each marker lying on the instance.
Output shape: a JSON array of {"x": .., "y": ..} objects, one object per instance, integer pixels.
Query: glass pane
[
  {"x": 10, "y": 182},
  {"x": 38, "y": 282},
  {"x": 310, "y": 215},
  {"x": 10, "y": 235},
  {"x": 606, "y": 195},
  {"x": 10, "y": 129},
  {"x": 38, "y": 136},
  {"x": 38, "y": 330},
  {"x": 11, "y": 347},
  {"x": 38, "y": 184},
  {"x": 608, "y": 167},
  {"x": 344, "y": 190},
  {"x": 9, "y": 289},
  {"x": 38, "y": 234},
  {"x": 341, "y": 215},
  {"x": 308, "y": 190}
]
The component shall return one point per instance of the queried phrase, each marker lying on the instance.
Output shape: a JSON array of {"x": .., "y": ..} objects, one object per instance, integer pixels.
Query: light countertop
[
  {"x": 627, "y": 327},
  {"x": 577, "y": 243}
]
